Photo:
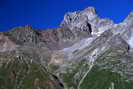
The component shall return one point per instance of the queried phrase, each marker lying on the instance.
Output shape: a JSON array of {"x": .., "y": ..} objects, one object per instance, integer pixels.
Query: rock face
[
  {"x": 6, "y": 44},
  {"x": 85, "y": 52},
  {"x": 80, "y": 20}
]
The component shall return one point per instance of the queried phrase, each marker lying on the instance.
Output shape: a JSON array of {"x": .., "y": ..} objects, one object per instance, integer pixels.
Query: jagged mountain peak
[
  {"x": 73, "y": 19},
  {"x": 86, "y": 19}
]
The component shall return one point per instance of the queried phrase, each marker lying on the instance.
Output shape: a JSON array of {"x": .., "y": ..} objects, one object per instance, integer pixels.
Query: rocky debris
[
  {"x": 6, "y": 44},
  {"x": 56, "y": 39},
  {"x": 106, "y": 45},
  {"x": 57, "y": 58}
]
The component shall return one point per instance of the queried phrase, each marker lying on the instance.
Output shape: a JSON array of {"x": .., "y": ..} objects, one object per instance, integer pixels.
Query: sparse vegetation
[
  {"x": 102, "y": 79},
  {"x": 23, "y": 74}
]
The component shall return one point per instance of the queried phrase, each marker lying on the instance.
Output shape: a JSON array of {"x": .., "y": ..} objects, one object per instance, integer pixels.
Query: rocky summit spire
[
  {"x": 86, "y": 21},
  {"x": 78, "y": 18},
  {"x": 79, "y": 21}
]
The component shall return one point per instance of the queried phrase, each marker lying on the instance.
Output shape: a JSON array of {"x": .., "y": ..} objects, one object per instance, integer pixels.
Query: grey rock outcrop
[{"x": 86, "y": 20}]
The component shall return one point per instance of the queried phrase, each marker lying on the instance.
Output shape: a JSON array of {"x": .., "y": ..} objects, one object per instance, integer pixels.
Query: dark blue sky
[{"x": 49, "y": 13}]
